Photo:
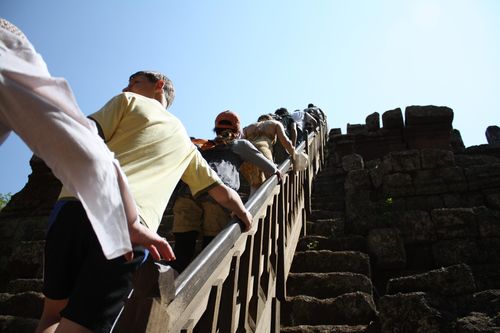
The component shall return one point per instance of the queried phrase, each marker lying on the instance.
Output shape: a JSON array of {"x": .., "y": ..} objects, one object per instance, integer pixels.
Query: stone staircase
[
  {"x": 329, "y": 288},
  {"x": 403, "y": 236},
  {"x": 21, "y": 301},
  {"x": 417, "y": 208},
  {"x": 23, "y": 224}
]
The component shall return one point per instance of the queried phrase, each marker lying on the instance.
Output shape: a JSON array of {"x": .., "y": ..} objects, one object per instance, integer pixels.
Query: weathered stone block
[
  {"x": 386, "y": 248},
  {"x": 398, "y": 184},
  {"x": 358, "y": 180},
  {"x": 469, "y": 160},
  {"x": 456, "y": 251},
  {"x": 474, "y": 199},
  {"x": 492, "y": 198},
  {"x": 26, "y": 260},
  {"x": 327, "y": 285},
  {"x": 335, "y": 132},
  {"x": 13, "y": 324},
  {"x": 437, "y": 158},
  {"x": 487, "y": 275},
  {"x": 28, "y": 304},
  {"x": 454, "y": 223},
  {"x": 326, "y": 227},
  {"x": 355, "y": 128},
  {"x": 456, "y": 142},
  {"x": 343, "y": 145},
  {"x": 476, "y": 322},
  {"x": 429, "y": 116},
  {"x": 452, "y": 200},
  {"x": 358, "y": 204},
  {"x": 424, "y": 202},
  {"x": 412, "y": 312},
  {"x": 403, "y": 161},
  {"x": 450, "y": 281},
  {"x": 419, "y": 256},
  {"x": 488, "y": 221},
  {"x": 38, "y": 195},
  {"x": 489, "y": 249},
  {"x": 352, "y": 162},
  {"x": 393, "y": 119},
  {"x": 439, "y": 181},
  {"x": 373, "y": 145},
  {"x": 350, "y": 308},
  {"x": 493, "y": 135},
  {"x": 427, "y": 137},
  {"x": 22, "y": 285},
  {"x": 327, "y": 261},
  {"x": 487, "y": 301},
  {"x": 376, "y": 175},
  {"x": 415, "y": 226},
  {"x": 483, "y": 176},
  {"x": 373, "y": 122}
]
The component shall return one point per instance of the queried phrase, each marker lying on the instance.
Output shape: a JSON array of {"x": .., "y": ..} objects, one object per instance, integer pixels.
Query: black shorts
[{"x": 76, "y": 269}]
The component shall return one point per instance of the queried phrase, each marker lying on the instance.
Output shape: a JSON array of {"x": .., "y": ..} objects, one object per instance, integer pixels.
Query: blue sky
[{"x": 351, "y": 58}]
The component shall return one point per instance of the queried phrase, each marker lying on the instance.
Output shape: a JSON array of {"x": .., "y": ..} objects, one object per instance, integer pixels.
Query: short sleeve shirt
[{"x": 153, "y": 149}]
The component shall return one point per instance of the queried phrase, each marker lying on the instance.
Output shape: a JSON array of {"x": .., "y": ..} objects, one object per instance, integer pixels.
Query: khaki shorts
[{"x": 206, "y": 217}]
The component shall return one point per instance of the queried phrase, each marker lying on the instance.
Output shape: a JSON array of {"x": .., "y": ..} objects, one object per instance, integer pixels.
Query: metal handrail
[{"x": 263, "y": 255}]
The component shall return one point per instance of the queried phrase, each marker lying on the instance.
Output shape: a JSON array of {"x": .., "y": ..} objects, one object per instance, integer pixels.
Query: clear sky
[{"x": 350, "y": 57}]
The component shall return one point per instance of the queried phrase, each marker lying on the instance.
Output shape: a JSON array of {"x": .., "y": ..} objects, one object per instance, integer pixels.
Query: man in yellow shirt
[{"x": 154, "y": 152}]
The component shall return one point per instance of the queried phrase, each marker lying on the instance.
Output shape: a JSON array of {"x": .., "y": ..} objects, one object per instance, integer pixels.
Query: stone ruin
[{"x": 407, "y": 216}]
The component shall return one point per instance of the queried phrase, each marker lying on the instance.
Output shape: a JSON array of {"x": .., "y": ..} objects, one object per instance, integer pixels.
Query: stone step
[
  {"x": 26, "y": 261},
  {"x": 333, "y": 227},
  {"x": 21, "y": 285},
  {"x": 448, "y": 281},
  {"x": 27, "y": 304},
  {"x": 12, "y": 324},
  {"x": 345, "y": 243},
  {"x": 330, "y": 172},
  {"x": 330, "y": 188},
  {"x": 327, "y": 285},
  {"x": 324, "y": 261},
  {"x": 320, "y": 214},
  {"x": 328, "y": 203},
  {"x": 348, "y": 309},
  {"x": 325, "y": 329}
]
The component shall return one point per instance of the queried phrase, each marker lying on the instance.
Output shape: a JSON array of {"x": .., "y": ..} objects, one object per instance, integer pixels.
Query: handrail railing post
[{"x": 237, "y": 283}]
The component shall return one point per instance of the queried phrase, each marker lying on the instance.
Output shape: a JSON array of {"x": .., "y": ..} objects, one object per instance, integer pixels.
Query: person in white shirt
[{"x": 43, "y": 112}]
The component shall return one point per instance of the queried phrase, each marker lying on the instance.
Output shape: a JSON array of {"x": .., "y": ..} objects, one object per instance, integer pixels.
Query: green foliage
[
  {"x": 383, "y": 212},
  {"x": 4, "y": 199},
  {"x": 313, "y": 245}
]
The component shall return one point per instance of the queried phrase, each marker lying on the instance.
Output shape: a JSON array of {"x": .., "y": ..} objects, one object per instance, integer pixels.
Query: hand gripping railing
[{"x": 237, "y": 282}]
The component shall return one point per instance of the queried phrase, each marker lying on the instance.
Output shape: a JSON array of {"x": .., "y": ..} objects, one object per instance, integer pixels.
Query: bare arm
[
  {"x": 229, "y": 199},
  {"x": 285, "y": 142},
  {"x": 293, "y": 134},
  {"x": 247, "y": 151}
]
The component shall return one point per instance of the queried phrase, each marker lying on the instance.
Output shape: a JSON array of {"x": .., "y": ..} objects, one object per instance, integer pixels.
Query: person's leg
[
  {"x": 51, "y": 321},
  {"x": 50, "y": 315},
  {"x": 68, "y": 326},
  {"x": 60, "y": 264},
  {"x": 100, "y": 292},
  {"x": 185, "y": 244},
  {"x": 207, "y": 240},
  {"x": 215, "y": 218},
  {"x": 188, "y": 215},
  {"x": 76, "y": 271}
]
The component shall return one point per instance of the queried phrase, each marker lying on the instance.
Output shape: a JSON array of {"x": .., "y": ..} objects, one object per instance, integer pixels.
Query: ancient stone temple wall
[{"x": 429, "y": 211}]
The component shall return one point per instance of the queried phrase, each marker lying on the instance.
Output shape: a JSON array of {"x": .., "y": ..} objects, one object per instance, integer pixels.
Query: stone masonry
[{"x": 403, "y": 236}]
